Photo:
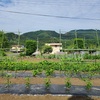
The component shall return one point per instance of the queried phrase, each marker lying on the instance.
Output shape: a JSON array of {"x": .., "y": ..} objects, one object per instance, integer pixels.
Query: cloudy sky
[{"x": 64, "y": 15}]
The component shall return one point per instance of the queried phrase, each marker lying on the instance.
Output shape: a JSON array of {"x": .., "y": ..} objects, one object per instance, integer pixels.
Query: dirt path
[
  {"x": 45, "y": 97},
  {"x": 74, "y": 81}
]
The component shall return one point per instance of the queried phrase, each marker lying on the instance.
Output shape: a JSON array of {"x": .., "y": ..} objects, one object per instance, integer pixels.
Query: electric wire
[{"x": 47, "y": 15}]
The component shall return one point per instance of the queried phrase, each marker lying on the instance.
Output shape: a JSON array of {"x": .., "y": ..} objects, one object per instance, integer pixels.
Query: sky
[{"x": 63, "y": 15}]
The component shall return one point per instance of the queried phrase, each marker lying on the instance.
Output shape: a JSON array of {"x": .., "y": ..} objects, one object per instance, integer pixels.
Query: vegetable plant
[
  {"x": 15, "y": 72},
  {"x": 88, "y": 85},
  {"x": 68, "y": 83},
  {"x": 49, "y": 72},
  {"x": 35, "y": 72},
  {"x": 47, "y": 83},
  {"x": 8, "y": 82},
  {"x": 27, "y": 82},
  {"x": 2, "y": 73}
]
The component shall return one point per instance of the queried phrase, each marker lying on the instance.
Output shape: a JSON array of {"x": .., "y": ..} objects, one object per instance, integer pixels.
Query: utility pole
[
  {"x": 76, "y": 39},
  {"x": 60, "y": 36},
  {"x": 18, "y": 40},
  {"x": 84, "y": 43},
  {"x": 37, "y": 45},
  {"x": 65, "y": 44},
  {"x": 97, "y": 38}
]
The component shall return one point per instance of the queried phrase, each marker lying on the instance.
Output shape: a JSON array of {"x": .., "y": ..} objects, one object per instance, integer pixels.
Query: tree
[
  {"x": 30, "y": 47},
  {"x": 47, "y": 49},
  {"x": 3, "y": 40},
  {"x": 78, "y": 43}
]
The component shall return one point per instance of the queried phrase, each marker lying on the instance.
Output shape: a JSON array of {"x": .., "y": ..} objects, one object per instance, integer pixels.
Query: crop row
[{"x": 47, "y": 65}]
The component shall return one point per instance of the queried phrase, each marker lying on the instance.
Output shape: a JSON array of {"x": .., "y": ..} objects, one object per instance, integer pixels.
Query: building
[
  {"x": 17, "y": 48},
  {"x": 36, "y": 53},
  {"x": 56, "y": 47}
]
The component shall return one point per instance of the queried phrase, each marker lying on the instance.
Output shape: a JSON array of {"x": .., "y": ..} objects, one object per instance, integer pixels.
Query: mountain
[
  {"x": 43, "y": 36},
  {"x": 47, "y": 36},
  {"x": 40, "y": 34},
  {"x": 12, "y": 38},
  {"x": 87, "y": 34}
]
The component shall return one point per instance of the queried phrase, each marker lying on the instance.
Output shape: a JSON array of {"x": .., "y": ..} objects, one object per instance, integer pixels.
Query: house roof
[
  {"x": 36, "y": 53},
  {"x": 51, "y": 44},
  {"x": 16, "y": 45}
]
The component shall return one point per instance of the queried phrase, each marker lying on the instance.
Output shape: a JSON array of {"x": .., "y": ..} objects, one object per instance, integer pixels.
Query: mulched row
[{"x": 53, "y": 89}]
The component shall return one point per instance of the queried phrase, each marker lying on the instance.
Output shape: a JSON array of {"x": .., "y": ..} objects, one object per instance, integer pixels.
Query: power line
[{"x": 47, "y": 15}]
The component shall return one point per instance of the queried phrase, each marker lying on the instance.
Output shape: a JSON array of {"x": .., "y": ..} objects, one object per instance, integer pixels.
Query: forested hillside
[{"x": 47, "y": 36}]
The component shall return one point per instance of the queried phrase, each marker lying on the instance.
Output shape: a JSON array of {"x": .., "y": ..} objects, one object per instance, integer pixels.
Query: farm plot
[{"x": 56, "y": 78}]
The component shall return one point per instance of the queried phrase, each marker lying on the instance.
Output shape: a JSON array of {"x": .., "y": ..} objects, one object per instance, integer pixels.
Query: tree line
[{"x": 8, "y": 39}]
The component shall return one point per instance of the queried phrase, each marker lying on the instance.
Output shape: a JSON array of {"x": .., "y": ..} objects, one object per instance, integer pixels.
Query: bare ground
[
  {"x": 36, "y": 80},
  {"x": 45, "y": 97}
]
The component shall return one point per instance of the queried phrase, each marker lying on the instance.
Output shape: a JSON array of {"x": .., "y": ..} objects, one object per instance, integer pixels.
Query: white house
[
  {"x": 56, "y": 47},
  {"x": 17, "y": 48}
]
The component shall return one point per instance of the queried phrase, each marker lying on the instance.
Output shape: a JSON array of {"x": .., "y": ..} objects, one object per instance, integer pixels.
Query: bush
[
  {"x": 90, "y": 56},
  {"x": 47, "y": 49},
  {"x": 30, "y": 47},
  {"x": 22, "y": 54},
  {"x": 2, "y": 53},
  {"x": 51, "y": 56}
]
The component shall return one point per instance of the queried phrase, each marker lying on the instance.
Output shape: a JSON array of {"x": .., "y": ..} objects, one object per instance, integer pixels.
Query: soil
[
  {"x": 45, "y": 97},
  {"x": 36, "y": 80},
  {"x": 36, "y": 60}
]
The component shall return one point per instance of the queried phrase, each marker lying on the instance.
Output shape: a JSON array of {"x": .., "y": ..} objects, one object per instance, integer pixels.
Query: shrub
[{"x": 22, "y": 54}]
